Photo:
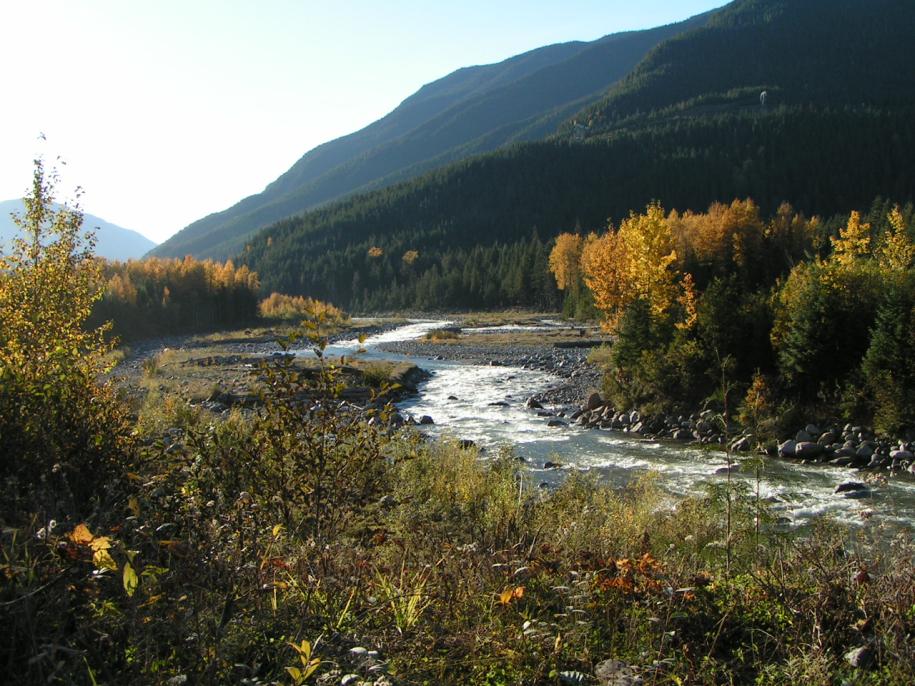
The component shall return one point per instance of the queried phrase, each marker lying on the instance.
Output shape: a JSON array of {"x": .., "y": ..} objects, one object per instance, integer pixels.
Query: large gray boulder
[
  {"x": 808, "y": 449},
  {"x": 593, "y": 402}
]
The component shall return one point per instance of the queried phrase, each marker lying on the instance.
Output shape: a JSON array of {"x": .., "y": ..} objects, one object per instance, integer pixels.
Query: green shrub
[{"x": 63, "y": 434}]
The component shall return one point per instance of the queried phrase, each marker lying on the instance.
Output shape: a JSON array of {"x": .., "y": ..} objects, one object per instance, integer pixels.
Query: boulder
[
  {"x": 593, "y": 402},
  {"x": 850, "y": 487},
  {"x": 426, "y": 419},
  {"x": 787, "y": 449},
  {"x": 616, "y": 673},
  {"x": 803, "y": 436},
  {"x": 533, "y": 404},
  {"x": 861, "y": 657},
  {"x": 742, "y": 444},
  {"x": 552, "y": 465},
  {"x": 808, "y": 450},
  {"x": 827, "y": 438},
  {"x": 556, "y": 423}
]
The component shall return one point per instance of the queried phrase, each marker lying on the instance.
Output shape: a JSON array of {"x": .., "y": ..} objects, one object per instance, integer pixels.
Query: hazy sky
[{"x": 165, "y": 111}]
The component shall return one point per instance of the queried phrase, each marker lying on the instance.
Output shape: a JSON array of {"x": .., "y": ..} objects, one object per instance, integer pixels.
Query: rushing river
[{"x": 486, "y": 404}]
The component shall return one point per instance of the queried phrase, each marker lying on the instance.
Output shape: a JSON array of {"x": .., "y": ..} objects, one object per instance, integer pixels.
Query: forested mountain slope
[
  {"x": 473, "y": 110},
  {"x": 827, "y": 52},
  {"x": 825, "y": 151}
]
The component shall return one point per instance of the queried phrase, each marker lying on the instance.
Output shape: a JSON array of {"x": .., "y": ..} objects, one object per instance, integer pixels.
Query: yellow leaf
[
  {"x": 295, "y": 673},
  {"x": 311, "y": 667},
  {"x": 100, "y": 543},
  {"x": 130, "y": 580},
  {"x": 81, "y": 534},
  {"x": 134, "y": 506},
  {"x": 102, "y": 560},
  {"x": 277, "y": 528},
  {"x": 509, "y": 594},
  {"x": 152, "y": 600}
]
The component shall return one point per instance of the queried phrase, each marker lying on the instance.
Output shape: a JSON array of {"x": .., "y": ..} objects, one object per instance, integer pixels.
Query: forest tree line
[
  {"x": 825, "y": 161},
  {"x": 769, "y": 315},
  {"x": 156, "y": 296}
]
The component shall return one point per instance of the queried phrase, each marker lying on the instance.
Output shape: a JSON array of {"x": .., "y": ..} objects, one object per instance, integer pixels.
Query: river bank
[{"x": 574, "y": 398}]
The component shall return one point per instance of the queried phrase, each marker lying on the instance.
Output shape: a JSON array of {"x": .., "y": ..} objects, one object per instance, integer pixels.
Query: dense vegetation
[
  {"x": 301, "y": 541},
  {"x": 824, "y": 161},
  {"x": 794, "y": 313},
  {"x": 155, "y": 297}
]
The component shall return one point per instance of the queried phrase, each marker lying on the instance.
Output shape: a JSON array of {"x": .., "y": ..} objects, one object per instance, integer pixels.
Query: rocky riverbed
[
  {"x": 575, "y": 399},
  {"x": 576, "y": 377}
]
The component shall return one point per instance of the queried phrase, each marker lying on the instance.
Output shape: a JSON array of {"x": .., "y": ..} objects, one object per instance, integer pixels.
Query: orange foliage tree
[
  {"x": 565, "y": 260},
  {"x": 636, "y": 262},
  {"x": 279, "y": 306},
  {"x": 155, "y": 296}
]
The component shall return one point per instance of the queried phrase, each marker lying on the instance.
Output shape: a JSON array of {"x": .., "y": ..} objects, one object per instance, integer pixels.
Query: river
[{"x": 486, "y": 404}]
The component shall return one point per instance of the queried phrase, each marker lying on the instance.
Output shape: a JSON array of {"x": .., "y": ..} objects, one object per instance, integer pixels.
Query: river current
[{"x": 486, "y": 404}]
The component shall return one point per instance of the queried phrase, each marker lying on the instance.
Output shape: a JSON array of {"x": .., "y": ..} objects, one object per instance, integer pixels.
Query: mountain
[
  {"x": 112, "y": 242},
  {"x": 471, "y": 111},
  {"x": 828, "y": 52},
  {"x": 685, "y": 127}
]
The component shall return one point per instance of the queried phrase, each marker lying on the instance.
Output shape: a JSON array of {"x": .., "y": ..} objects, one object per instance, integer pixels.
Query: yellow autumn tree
[
  {"x": 896, "y": 251},
  {"x": 281, "y": 306},
  {"x": 853, "y": 241},
  {"x": 725, "y": 234},
  {"x": 565, "y": 260},
  {"x": 410, "y": 256},
  {"x": 633, "y": 263},
  {"x": 61, "y": 429}
]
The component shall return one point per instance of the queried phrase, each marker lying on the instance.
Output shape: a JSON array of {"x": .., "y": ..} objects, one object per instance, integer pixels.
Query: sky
[{"x": 163, "y": 112}]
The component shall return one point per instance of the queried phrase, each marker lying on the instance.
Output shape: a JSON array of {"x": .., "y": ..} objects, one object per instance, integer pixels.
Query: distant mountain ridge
[
  {"x": 470, "y": 111},
  {"x": 828, "y": 52},
  {"x": 113, "y": 242}
]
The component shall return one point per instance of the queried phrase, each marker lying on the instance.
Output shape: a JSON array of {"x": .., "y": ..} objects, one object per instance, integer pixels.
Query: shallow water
[{"x": 486, "y": 404}]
